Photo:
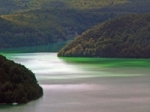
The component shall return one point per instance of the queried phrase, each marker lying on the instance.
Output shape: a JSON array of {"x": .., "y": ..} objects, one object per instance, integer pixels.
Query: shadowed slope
[
  {"x": 17, "y": 83},
  {"x": 124, "y": 37}
]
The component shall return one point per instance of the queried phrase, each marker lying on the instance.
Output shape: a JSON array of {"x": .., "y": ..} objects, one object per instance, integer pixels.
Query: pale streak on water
[{"x": 81, "y": 88}]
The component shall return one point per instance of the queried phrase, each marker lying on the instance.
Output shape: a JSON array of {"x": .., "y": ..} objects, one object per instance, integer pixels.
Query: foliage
[
  {"x": 123, "y": 37},
  {"x": 46, "y": 26},
  {"x": 13, "y": 6},
  {"x": 14, "y": 35},
  {"x": 17, "y": 83},
  {"x": 39, "y": 22},
  {"x": 10, "y": 6}
]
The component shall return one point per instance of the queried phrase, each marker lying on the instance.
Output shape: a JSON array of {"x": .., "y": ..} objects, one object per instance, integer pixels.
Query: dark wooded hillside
[
  {"x": 17, "y": 83},
  {"x": 123, "y": 37},
  {"x": 47, "y": 26}
]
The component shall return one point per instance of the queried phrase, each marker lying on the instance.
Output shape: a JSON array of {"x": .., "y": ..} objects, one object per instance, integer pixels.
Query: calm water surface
[{"x": 84, "y": 87}]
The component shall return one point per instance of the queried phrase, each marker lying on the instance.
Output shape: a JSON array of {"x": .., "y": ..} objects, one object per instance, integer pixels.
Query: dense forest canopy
[
  {"x": 41, "y": 22},
  {"x": 15, "y": 35},
  {"x": 10, "y": 6},
  {"x": 123, "y": 37},
  {"x": 46, "y": 26},
  {"x": 17, "y": 83},
  {"x": 13, "y": 6}
]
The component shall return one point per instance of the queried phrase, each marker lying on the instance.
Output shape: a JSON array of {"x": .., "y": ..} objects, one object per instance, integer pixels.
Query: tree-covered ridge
[
  {"x": 10, "y": 6},
  {"x": 123, "y": 37},
  {"x": 58, "y": 20},
  {"x": 46, "y": 26},
  {"x": 16, "y": 35},
  {"x": 90, "y": 4},
  {"x": 17, "y": 83},
  {"x": 138, "y": 6}
]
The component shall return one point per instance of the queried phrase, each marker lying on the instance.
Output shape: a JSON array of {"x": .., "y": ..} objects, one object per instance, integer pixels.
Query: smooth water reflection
[{"x": 77, "y": 87}]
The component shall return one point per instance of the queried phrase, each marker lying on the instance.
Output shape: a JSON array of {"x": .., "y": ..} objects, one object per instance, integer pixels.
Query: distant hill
[
  {"x": 15, "y": 35},
  {"x": 44, "y": 26},
  {"x": 11, "y": 6},
  {"x": 40, "y": 22},
  {"x": 17, "y": 83},
  {"x": 134, "y": 6},
  {"x": 123, "y": 37}
]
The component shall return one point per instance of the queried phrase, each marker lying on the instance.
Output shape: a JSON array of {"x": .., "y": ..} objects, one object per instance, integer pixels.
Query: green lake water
[{"x": 86, "y": 84}]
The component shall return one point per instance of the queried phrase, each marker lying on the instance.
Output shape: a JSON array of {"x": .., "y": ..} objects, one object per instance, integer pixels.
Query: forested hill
[
  {"x": 39, "y": 27},
  {"x": 123, "y": 37},
  {"x": 15, "y": 35},
  {"x": 11, "y": 6},
  {"x": 17, "y": 83},
  {"x": 41, "y": 22}
]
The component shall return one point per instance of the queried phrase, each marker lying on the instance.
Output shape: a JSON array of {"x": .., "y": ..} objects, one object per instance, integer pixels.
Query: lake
[{"x": 86, "y": 84}]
